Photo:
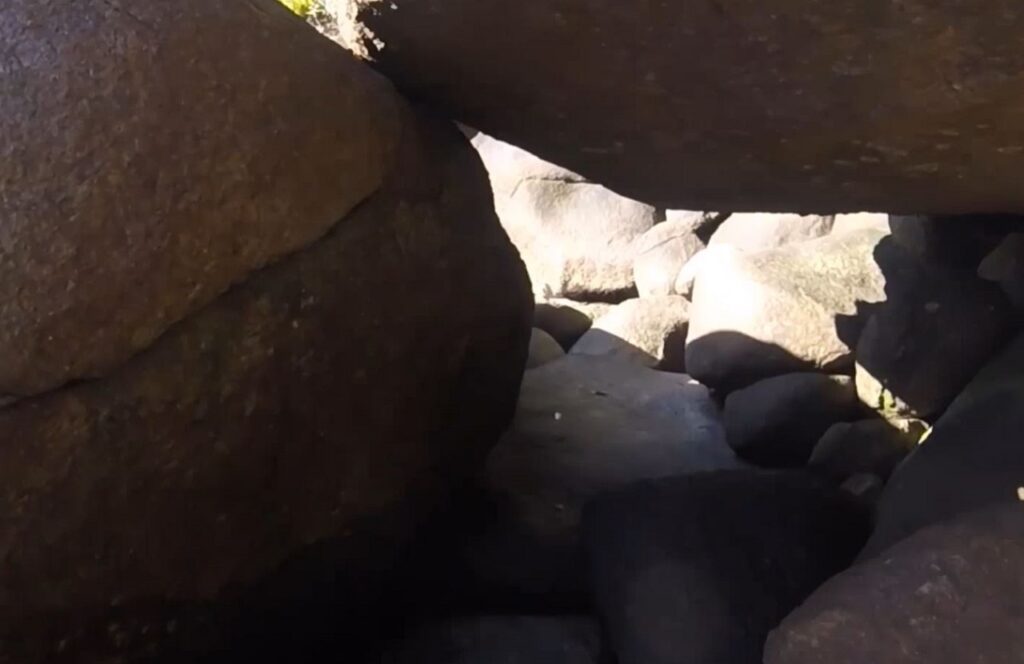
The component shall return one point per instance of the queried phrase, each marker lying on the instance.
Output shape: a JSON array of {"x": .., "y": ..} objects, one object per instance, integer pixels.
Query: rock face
[
  {"x": 971, "y": 459},
  {"x": 698, "y": 569},
  {"x": 543, "y": 349},
  {"x": 503, "y": 640},
  {"x": 567, "y": 320},
  {"x": 650, "y": 331},
  {"x": 1005, "y": 266},
  {"x": 790, "y": 309},
  {"x": 927, "y": 340},
  {"x": 584, "y": 425},
  {"x": 760, "y": 231},
  {"x": 632, "y": 99},
  {"x": 951, "y": 593},
  {"x": 661, "y": 253},
  {"x": 126, "y": 207},
  {"x": 873, "y": 446},
  {"x": 576, "y": 237},
  {"x": 776, "y": 422},
  {"x": 322, "y": 391}
]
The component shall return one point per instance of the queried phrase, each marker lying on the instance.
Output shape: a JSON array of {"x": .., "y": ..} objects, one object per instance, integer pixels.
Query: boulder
[
  {"x": 584, "y": 425},
  {"x": 321, "y": 393},
  {"x": 698, "y": 569},
  {"x": 874, "y": 446},
  {"x": 567, "y": 320},
  {"x": 952, "y": 241},
  {"x": 151, "y": 164},
  {"x": 972, "y": 457},
  {"x": 858, "y": 221},
  {"x": 927, "y": 340},
  {"x": 543, "y": 349},
  {"x": 790, "y": 309},
  {"x": 688, "y": 273},
  {"x": 1005, "y": 266},
  {"x": 757, "y": 231},
  {"x": 576, "y": 237},
  {"x": 777, "y": 421},
  {"x": 502, "y": 640},
  {"x": 650, "y": 331},
  {"x": 951, "y": 593},
  {"x": 732, "y": 106},
  {"x": 661, "y": 253}
]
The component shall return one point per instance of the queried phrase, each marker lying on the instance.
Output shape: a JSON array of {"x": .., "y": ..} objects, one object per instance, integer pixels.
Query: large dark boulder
[
  {"x": 951, "y": 593},
  {"x": 154, "y": 154},
  {"x": 780, "y": 105},
  {"x": 973, "y": 457},
  {"x": 351, "y": 382},
  {"x": 698, "y": 569}
]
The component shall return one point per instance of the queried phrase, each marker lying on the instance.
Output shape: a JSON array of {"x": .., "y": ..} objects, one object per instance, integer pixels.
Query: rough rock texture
[
  {"x": 693, "y": 570},
  {"x": 951, "y": 593},
  {"x": 927, "y": 340},
  {"x": 322, "y": 391},
  {"x": 873, "y": 446},
  {"x": 789, "y": 309},
  {"x": 584, "y": 425},
  {"x": 567, "y": 320},
  {"x": 650, "y": 331},
  {"x": 777, "y": 421},
  {"x": 154, "y": 156},
  {"x": 787, "y": 106},
  {"x": 757, "y": 231},
  {"x": 661, "y": 253},
  {"x": 576, "y": 237},
  {"x": 543, "y": 349},
  {"x": 503, "y": 640},
  {"x": 972, "y": 458}
]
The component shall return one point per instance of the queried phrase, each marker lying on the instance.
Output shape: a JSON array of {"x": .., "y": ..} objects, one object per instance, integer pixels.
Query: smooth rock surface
[
  {"x": 777, "y": 421},
  {"x": 758, "y": 231},
  {"x": 154, "y": 156},
  {"x": 950, "y": 594},
  {"x": 972, "y": 458},
  {"x": 790, "y": 309},
  {"x": 503, "y": 640},
  {"x": 584, "y": 425},
  {"x": 576, "y": 237},
  {"x": 321, "y": 393},
  {"x": 661, "y": 253},
  {"x": 567, "y": 320},
  {"x": 784, "y": 106},
  {"x": 543, "y": 349},
  {"x": 650, "y": 331},
  {"x": 874, "y": 446},
  {"x": 692, "y": 570}
]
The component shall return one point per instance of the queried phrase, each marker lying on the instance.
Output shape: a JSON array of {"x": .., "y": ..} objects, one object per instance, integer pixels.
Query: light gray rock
[
  {"x": 858, "y": 221},
  {"x": 650, "y": 331},
  {"x": 577, "y": 238},
  {"x": 543, "y": 349},
  {"x": 567, "y": 320},
  {"x": 973, "y": 456},
  {"x": 758, "y": 231},
  {"x": 777, "y": 421},
  {"x": 661, "y": 253},
  {"x": 584, "y": 425},
  {"x": 949, "y": 594},
  {"x": 873, "y": 446},
  {"x": 789, "y": 309}
]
